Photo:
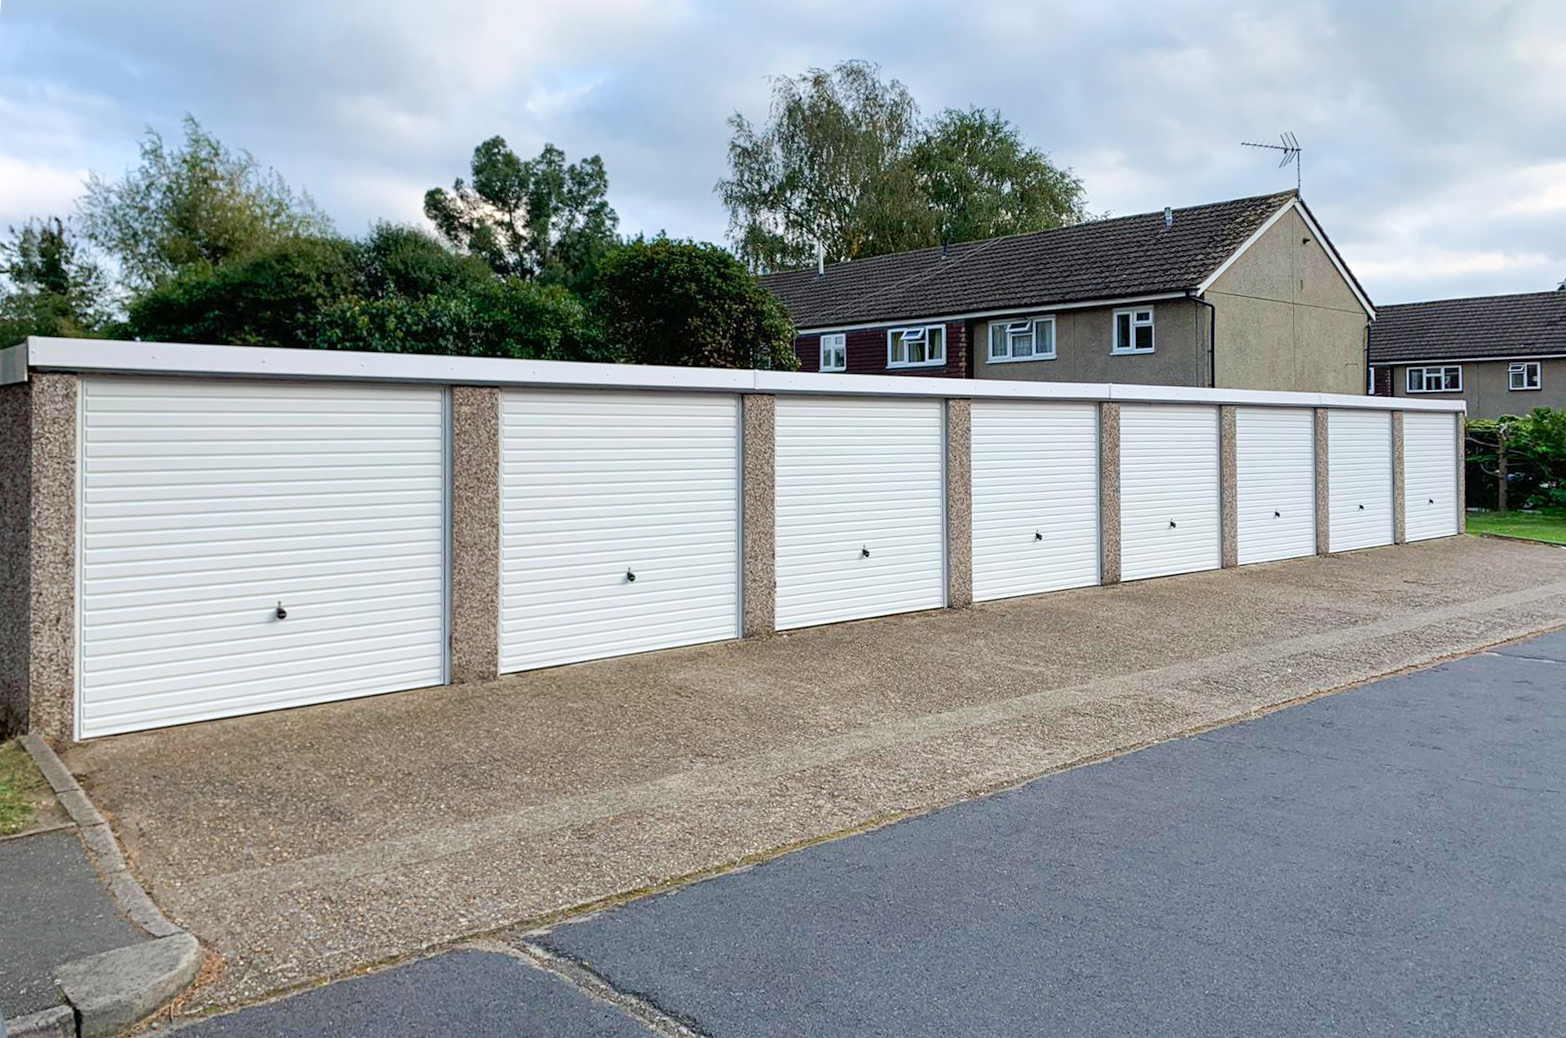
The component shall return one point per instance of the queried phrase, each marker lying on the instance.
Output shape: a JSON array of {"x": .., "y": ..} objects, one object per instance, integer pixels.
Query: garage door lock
[
  {"x": 630, "y": 578},
  {"x": 864, "y": 553},
  {"x": 282, "y": 614}
]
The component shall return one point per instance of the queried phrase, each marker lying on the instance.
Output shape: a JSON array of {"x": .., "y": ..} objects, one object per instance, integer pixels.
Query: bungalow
[
  {"x": 1243, "y": 294},
  {"x": 1501, "y": 354}
]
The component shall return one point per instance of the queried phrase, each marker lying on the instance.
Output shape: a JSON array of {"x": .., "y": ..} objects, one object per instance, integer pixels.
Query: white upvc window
[
  {"x": 1524, "y": 374},
  {"x": 834, "y": 352},
  {"x": 1028, "y": 338},
  {"x": 923, "y": 347},
  {"x": 1133, "y": 331},
  {"x": 1445, "y": 379}
]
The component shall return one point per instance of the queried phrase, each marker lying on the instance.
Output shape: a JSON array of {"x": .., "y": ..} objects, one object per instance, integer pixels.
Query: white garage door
[
  {"x": 861, "y": 505},
  {"x": 1359, "y": 479},
  {"x": 1170, "y": 518},
  {"x": 619, "y": 524},
  {"x": 1035, "y": 497},
  {"x": 206, "y": 506},
  {"x": 1275, "y": 484},
  {"x": 1429, "y": 475}
]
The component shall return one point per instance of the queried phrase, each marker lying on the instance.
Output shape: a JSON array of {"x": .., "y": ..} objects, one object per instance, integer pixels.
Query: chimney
[
  {"x": 1168, "y": 217},
  {"x": 820, "y": 259}
]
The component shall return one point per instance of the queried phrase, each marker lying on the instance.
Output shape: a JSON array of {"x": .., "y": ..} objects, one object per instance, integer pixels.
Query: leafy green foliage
[
  {"x": 679, "y": 302},
  {"x": 50, "y": 286},
  {"x": 845, "y": 162},
  {"x": 398, "y": 291},
  {"x": 533, "y": 219},
  {"x": 984, "y": 181},
  {"x": 827, "y": 167},
  {"x": 192, "y": 208},
  {"x": 1529, "y": 450}
]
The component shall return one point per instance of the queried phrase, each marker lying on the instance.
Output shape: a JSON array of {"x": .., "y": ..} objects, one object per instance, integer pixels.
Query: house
[
  {"x": 1243, "y": 294},
  {"x": 1501, "y": 354}
]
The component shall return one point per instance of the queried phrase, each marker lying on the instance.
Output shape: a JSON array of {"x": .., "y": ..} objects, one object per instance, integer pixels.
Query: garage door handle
[
  {"x": 282, "y": 614},
  {"x": 1431, "y": 500},
  {"x": 864, "y": 553},
  {"x": 1171, "y": 524},
  {"x": 1361, "y": 508},
  {"x": 630, "y": 578},
  {"x": 1277, "y": 514},
  {"x": 1037, "y": 536}
]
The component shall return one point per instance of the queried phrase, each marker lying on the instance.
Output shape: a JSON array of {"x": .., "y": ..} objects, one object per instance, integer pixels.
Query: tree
[
  {"x": 845, "y": 163},
  {"x": 50, "y": 286},
  {"x": 536, "y": 219},
  {"x": 679, "y": 302},
  {"x": 827, "y": 169},
  {"x": 192, "y": 208},
  {"x": 983, "y": 180}
]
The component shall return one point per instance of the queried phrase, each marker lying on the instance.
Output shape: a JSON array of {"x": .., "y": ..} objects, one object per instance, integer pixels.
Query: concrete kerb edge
[
  {"x": 55, "y": 1022},
  {"x": 175, "y": 954}
]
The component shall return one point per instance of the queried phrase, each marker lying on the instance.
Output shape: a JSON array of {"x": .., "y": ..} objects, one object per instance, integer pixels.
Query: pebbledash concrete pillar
[
  {"x": 759, "y": 563},
  {"x": 475, "y": 533},
  {"x": 1228, "y": 487},
  {"x": 1323, "y": 496},
  {"x": 1462, "y": 472},
  {"x": 1108, "y": 493},
  {"x": 959, "y": 503},
  {"x": 1399, "y": 515},
  {"x": 38, "y": 556}
]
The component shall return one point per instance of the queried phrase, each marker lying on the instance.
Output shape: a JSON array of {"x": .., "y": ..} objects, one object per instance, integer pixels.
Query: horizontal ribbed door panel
[
  {"x": 856, "y": 476},
  {"x": 1359, "y": 479},
  {"x": 1429, "y": 475},
  {"x": 598, "y": 487},
  {"x": 206, "y": 505},
  {"x": 1035, "y": 497},
  {"x": 1275, "y": 483},
  {"x": 1169, "y": 504}
]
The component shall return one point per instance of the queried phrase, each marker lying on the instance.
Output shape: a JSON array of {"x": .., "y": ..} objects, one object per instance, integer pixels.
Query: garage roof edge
[{"x": 109, "y": 357}]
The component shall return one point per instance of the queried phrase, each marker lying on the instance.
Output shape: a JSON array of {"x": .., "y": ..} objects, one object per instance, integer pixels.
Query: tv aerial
[{"x": 1290, "y": 147}]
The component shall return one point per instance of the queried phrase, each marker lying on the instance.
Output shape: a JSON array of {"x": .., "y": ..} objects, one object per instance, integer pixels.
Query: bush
[
  {"x": 1535, "y": 460},
  {"x": 680, "y": 302}
]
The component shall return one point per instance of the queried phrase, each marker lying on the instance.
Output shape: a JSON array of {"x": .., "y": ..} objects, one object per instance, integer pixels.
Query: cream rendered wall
[
  {"x": 1287, "y": 320},
  {"x": 1082, "y": 343},
  {"x": 1486, "y": 387}
]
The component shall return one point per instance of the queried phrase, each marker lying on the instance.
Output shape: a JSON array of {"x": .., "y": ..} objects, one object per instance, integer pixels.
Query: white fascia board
[
  {"x": 1513, "y": 359},
  {"x": 100, "y": 356},
  {"x": 1202, "y": 395},
  {"x": 1321, "y": 239},
  {"x": 13, "y": 364},
  {"x": 1391, "y": 403},
  {"x": 1013, "y": 311},
  {"x": 148, "y": 358},
  {"x": 812, "y": 383}
]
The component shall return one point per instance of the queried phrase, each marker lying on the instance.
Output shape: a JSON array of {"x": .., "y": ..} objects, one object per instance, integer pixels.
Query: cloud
[{"x": 1435, "y": 143}]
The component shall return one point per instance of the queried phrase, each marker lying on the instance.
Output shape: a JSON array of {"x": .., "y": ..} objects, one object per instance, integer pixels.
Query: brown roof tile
[
  {"x": 1530, "y": 324},
  {"x": 1100, "y": 259}
]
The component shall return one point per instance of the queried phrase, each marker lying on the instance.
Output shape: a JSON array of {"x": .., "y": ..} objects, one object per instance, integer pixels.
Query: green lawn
[
  {"x": 1536, "y": 526},
  {"x": 21, "y": 786}
]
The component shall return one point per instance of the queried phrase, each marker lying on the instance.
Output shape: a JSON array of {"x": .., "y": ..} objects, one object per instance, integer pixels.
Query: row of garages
[{"x": 251, "y": 545}]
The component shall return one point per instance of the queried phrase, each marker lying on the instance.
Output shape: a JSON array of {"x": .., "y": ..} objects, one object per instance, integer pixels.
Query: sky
[{"x": 1434, "y": 131}]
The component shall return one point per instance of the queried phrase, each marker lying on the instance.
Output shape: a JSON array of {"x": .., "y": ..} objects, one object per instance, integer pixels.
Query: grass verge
[
  {"x": 1534, "y": 526},
  {"x": 21, "y": 787}
]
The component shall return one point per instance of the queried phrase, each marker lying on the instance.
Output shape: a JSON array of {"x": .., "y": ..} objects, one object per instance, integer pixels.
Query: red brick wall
[
  {"x": 1383, "y": 380},
  {"x": 867, "y": 353}
]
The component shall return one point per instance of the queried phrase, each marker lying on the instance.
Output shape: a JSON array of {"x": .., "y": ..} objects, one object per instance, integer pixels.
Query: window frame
[
  {"x": 1010, "y": 324},
  {"x": 1133, "y": 324},
  {"x": 839, "y": 345},
  {"x": 1525, "y": 368},
  {"x": 902, "y": 335},
  {"x": 1424, "y": 379}
]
